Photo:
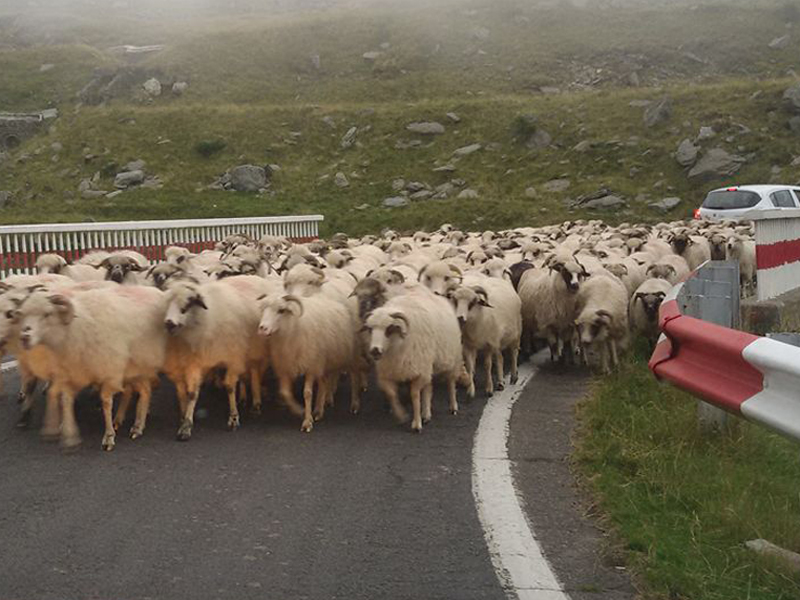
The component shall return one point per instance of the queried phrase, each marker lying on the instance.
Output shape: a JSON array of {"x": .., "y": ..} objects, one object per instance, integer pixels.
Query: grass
[{"x": 683, "y": 503}]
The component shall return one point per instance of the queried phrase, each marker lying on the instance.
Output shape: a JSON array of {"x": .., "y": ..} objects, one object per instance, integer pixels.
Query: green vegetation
[{"x": 683, "y": 503}]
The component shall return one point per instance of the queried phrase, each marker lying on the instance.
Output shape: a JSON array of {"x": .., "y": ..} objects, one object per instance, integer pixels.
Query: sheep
[
  {"x": 629, "y": 272},
  {"x": 673, "y": 268},
  {"x": 177, "y": 255},
  {"x": 496, "y": 268},
  {"x": 743, "y": 250},
  {"x": 602, "y": 318},
  {"x": 313, "y": 337},
  {"x": 211, "y": 325},
  {"x": 412, "y": 338},
  {"x": 57, "y": 265},
  {"x": 693, "y": 248},
  {"x": 438, "y": 276},
  {"x": 123, "y": 267},
  {"x": 109, "y": 338},
  {"x": 305, "y": 280},
  {"x": 644, "y": 305},
  {"x": 490, "y": 314}
]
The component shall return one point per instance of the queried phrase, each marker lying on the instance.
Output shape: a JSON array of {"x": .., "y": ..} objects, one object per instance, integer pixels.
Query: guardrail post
[{"x": 777, "y": 235}]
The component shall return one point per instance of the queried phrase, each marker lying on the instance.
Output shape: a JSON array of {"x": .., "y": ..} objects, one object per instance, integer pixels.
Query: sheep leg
[
  {"x": 514, "y": 364},
  {"x": 26, "y": 398},
  {"x": 390, "y": 389},
  {"x": 192, "y": 382},
  {"x": 427, "y": 397},
  {"x": 416, "y": 420},
  {"x": 287, "y": 394},
  {"x": 308, "y": 398},
  {"x": 231, "y": 379},
  {"x": 487, "y": 367},
  {"x": 469, "y": 359},
  {"x": 324, "y": 387},
  {"x": 145, "y": 392},
  {"x": 355, "y": 391},
  {"x": 51, "y": 424},
  {"x": 612, "y": 344},
  {"x": 122, "y": 409},
  {"x": 255, "y": 390},
  {"x": 604, "y": 358},
  {"x": 451, "y": 392},
  {"x": 70, "y": 434},
  {"x": 501, "y": 376},
  {"x": 110, "y": 435}
]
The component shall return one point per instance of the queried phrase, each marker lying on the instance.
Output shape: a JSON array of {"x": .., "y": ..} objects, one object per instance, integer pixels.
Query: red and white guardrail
[
  {"x": 20, "y": 245},
  {"x": 750, "y": 376}
]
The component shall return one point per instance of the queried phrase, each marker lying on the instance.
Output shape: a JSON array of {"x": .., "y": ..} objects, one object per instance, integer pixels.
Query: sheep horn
[
  {"x": 400, "y": 317},
  {"x": 290, "y": 298}
]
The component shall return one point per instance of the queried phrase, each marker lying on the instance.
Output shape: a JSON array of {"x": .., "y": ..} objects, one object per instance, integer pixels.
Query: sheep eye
[
  {"x": 9, "y": 314},
  {"x": 283, "y": 311}
]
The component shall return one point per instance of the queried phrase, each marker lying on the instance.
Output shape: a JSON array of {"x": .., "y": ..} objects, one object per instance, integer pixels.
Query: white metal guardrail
[
  {"x": 777, "y": 250},
  {"x": 20, "y": 245}
]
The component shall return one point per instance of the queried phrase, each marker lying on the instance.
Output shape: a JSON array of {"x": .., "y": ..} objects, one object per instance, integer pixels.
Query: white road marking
[
  {"x": 518, "y": 559},
  {"x": 8, "y": 366}
]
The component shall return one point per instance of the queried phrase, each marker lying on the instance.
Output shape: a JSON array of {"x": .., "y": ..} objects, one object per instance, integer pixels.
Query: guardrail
[
  {"x": 747, "y": 375},
  {"x": 777, "y": 234},
  {"x": 20, "y": 245}
]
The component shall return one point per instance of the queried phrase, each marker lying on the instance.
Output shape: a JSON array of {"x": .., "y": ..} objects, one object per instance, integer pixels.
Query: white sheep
[
  {"x": 694, "y": 248},
  {"x": 743, "y": 250},
  {"x": 672, "y": 268},
  {"x": 57, "y": 265},
  {"x": 602, "y": 319},
  {"x": 440, "y": 276},
  {"x": 413, "y": 338}
]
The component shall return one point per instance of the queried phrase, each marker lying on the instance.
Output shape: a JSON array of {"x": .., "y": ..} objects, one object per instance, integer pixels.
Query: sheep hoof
[
  {"x": 471, "y": 393},
  {"x": 500, "y": 386},
  {"x": 108, "y": 442},
  {"x": 426, "y": 420},
  {"x": 489, "y": 393},
  {"x": 318, "y": 416},
  {"x": 49, "y": 435},
  {"x": 24, "y": 420},
  {"x": 417, "y": 428},
  {"x": 454, "y": 411},
  {"x": 354, "y": 410},
  {"x": 256, "y": 411},
  {"x": 233, "y": 423},
  {"x": 307, "y": 426},
  {"x": 184, "y": 432},
  {"x": 20, "y": 398},
  {"x": 69, "y": 444},
  {"x": 514, "y": 379},
  {"x": 136, "y": 433}
]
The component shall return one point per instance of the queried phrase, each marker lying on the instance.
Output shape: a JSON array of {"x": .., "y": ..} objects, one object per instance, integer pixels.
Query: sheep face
[
  {"x": 384, "y": 330},
  {"x": 50, "y": 263},
  {"x": 183, "y": 306},
  {"x": 398, "y": 249},
  {"x": 337, "y": 260},
  {"x": 277, "y": 311},
  {"x": 661, "y": 271},
  {"x": 439, "y": 277},
  {"x": 593, "y": 327},
  {"x": 421, "y": 237},
  {"x": 650, "y": 303},
  {"x": 718, "y": 249},
  {"x": 477, "y": 257},
  {"x": 43, "y": 319},
  {"x": 118, "y": 266},
  {"x": 221, "y": 270},
  {"x": 371, "y": 294},
  {"x": 496, "y": 267},
  {"x": 468, "y": 301},
  {"x": 634, "y": 245},
  {"x": 177, "y": 255},
  {"x": 679, "y": 242},
  {"x": 303, "y": 280},
  {"x": 387, "y": 276},
  {"x": 572, "y": 273},
  {"x": 163, "y": 272}
]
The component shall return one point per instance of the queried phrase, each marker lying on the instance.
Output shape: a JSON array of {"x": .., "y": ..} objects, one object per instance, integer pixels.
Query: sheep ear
[
  {"x": 289, "y": 299},
  {"x": 401, "y": 317},
  {"x": 421, "y": 273},
  {"x": 198, "y": 301},
  {"x": 604, "y": 315},
  {"x": 456, "y": 270},
  {"x": 639, "y": 296},
  {"x": 483, "y": 297},
  {"x": 65, "y": 309},
  {"x": 397, "y": 275},
  {"x": 4, "y": 287},
  {"x": 672, "y": 269},
  {"x": 661, "y": 295}
]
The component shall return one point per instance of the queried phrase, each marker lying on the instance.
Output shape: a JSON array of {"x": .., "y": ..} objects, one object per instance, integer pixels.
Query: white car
[{"x": 734, "y": 202}]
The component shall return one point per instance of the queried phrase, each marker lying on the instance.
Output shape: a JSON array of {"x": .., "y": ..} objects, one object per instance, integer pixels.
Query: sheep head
[
  {"x": 371, "y": 294},
  {"x": 184, "y": 302},
  {"x": 278, "y": 309},
  {"x": 468, "y": 301},
  {"x": 439, "y": 276},
  {"x": 385, "y": 327},
  {"x": 593, "y": 326},
  {"x": 50, "y": 263},
  {"x": 651, "y": 301},
  {"x": 118, "y": 266},
  {"x": 43, "y": 318}
]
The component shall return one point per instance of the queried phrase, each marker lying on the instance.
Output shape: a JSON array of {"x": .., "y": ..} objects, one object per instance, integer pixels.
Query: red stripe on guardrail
[{"x": 769, "y": 256}]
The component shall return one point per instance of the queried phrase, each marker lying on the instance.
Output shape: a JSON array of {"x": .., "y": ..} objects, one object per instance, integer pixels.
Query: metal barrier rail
[
  {"x": 20, "y": 245},
  {"x": 750, "y": 376}
]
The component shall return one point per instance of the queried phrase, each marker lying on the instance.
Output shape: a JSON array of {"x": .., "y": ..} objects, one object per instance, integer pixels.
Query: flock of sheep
[{"x": 406, "y": 307}]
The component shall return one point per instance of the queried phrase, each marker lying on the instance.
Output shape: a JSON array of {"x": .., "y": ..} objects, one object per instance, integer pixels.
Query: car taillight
[{"x": 696, "y": 213}]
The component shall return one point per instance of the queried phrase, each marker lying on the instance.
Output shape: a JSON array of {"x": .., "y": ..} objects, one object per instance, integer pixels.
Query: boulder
[
  {"x": 248, "y": 178},
  {"x": 480, "y": 33},
  {"x": 658, "y": 112},
  {"x": 340, "y": 180},
  {"x": 426, "y": 128},
  {"x": 448, "y": 168},
  {"x": 582, "y": 146},
  {"x": 135, "y": 165},
  {"x": 421, "y": 195},
  {"x": 686, "y": 154},
  {"x": 153, "y": 87},
  {"x": 539, "y": 140},
  {"x": 716, "y": 163},
  {"x": 398, "y": 184},
  {"x": 706, "y": 133},
  {"x": 791, "y": 97},
  {"x": 665, "y": 204},
  {"x": 349, "y": 138},
  {"x": 395, "y": 201},
  {"x": 415, "y": 186},
  {"x": 128, "y": 179},
  {"x": 453, "y": 117},
  {"x": 444, "y": 190},
  {"x": 609, "y": 201},
  {"x": 328, "y": 120},
  {"x": 179, "y": 87},
  {"x": 468, "y": 194},
  {"x": 557, "y": 185},
  {"x": 780, "y": 43},
  {"x": 531, "y": 193},
  {"x": 315, "y": 61},
  {"x": 467, "y": 150}
]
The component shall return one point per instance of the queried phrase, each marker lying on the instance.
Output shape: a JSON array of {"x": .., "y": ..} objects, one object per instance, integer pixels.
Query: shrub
[{"x": 207, "y": 148}]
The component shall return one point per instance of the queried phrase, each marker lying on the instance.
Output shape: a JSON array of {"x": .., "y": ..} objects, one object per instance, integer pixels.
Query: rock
[
  {"x": 135, "y": 165},
  {"x": 395, "y": 201},
  {"x": 248, "y": 178},
  {"x": 582, "y": 146},
  {"x": 340, "y": 180},
  {"x": 466, "y": 150},
  {"x": 665, "y": 204},
  {"x": 56, "y": 147},
  {"x": 550, "y": 90},
  {"x": 329, "y": 121},
  {"x": 128, "y": 179},
  {"x": 443, "y": 191},
  {"x": 46, "y": 67},
  {"x": 765, "y": 548},
  {"x": 415, "y": 186},
  {"x": 152, "y": 183},
  {"x": 706, "y": 133},
  {"x": 791, "y": 97},
  {"x": 372, "y": 56},
  {"x": 780, "y": 43},
  {"x": 453, "y": 117},
  {"x": 426, "y": 128},
  {"x": 385, "y": 45},
  {"x": 557, "y": 185},
  {"x": 179, "y": 87},
  {"x": 5, "y": 198},
  {"x": 91, "y": 194},
  {"x": 795, "y": 162},
  {"x": 794, "y": 124},
  {"x": 364, "y": 206},
  {"x": 716, "y": 163},
  {"x": 114, "y": 194},
  {"x": 315, "y": 61},
  {"x": 468, "y": 194},
  {"x": 398, "y": 184},
  {"x": 658, "y": 112},
  {"x": 421, "y": 195},
  {"x": 448, "y": 168},
  {"x": 686, "y": 154},
  {"x": 539, "y": 140},
  {"x": 405, "y": 145},
  {"x": 609, "y": 201},
  {"x": 639, "y": 103},
  {"x": 153, "y": 87},
  {"x": 349, "y": 138},
  {"x": 633, "y": 79},
  {"x": 531, "y": 193}
]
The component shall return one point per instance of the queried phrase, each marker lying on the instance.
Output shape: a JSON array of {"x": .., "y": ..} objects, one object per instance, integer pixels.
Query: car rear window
[
  {"x": 782, "y": 199},
  {"x": 731, "y": 199}
]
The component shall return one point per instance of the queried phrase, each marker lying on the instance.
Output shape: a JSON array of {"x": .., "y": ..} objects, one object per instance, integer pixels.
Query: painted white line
[
  {"x": 518, "y": 559},
  {"x": 8, "y": 366}
]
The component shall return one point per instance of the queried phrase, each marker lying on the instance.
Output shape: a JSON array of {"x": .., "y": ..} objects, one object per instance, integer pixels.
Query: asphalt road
[{"x": 360, "y": 508}]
